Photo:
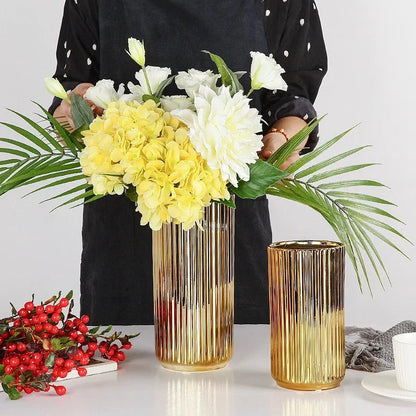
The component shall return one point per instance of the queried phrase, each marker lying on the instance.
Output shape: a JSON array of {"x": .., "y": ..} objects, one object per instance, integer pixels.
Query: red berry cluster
[{"x": 39, "y": 344}]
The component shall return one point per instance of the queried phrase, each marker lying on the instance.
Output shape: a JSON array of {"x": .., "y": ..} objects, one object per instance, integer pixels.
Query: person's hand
[
  {"x": 273, "y": 141},
  {"x": 63, "y": 111}
]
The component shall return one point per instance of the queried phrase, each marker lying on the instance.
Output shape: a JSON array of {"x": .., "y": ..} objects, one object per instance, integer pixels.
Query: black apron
[{"x": 116, "y": 266}]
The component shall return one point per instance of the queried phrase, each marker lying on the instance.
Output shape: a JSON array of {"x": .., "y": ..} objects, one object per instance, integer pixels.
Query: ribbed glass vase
[
  {"x": 193, "y": 286},
  {"x": 306, "y": 281}
]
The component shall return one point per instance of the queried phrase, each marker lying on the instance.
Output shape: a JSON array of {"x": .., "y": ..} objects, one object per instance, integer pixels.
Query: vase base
[
  {"x": 310, "y": 386},
  {"x": 192, "y": 368}
]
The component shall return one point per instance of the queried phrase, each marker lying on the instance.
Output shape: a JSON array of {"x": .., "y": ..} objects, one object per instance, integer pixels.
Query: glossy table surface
[{"x": 142, "y": 387}]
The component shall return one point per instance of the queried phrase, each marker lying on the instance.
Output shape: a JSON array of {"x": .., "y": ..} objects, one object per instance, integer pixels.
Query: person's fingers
[
  {"x": 291, "y": 159},
  {"x": 271, "y": 142},
  {"x": 81, "y": 89}
]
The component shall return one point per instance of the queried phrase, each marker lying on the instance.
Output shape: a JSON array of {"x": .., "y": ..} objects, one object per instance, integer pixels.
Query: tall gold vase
[
  {"x": 193, "y": 286},
  {"x": 306, "y": 281}
]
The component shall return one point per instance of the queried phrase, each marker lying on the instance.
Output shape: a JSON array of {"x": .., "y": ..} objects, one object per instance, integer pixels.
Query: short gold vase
[
  {"x": 306, "y": 281},
  {"x": 193, "y": 286}
]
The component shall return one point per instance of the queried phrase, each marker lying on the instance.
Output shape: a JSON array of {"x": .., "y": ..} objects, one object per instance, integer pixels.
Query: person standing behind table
[{"x": 116, "y": 270}]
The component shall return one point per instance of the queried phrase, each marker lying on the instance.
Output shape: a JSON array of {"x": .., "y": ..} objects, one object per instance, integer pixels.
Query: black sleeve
[
  {"x": 77, "y": 53},
  {"x": 294, "y": 36}
]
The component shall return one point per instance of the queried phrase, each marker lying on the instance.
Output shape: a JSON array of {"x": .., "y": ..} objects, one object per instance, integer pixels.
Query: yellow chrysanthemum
[{"x": 143, "y": 146}]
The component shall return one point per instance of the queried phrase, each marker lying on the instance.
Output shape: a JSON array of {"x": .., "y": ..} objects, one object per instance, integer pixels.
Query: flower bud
[
  {"x": 136, "y": 51},
  {"x": 55, "y": 88}
]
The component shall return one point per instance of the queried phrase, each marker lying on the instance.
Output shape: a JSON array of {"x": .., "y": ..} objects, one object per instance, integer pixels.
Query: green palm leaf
[
  {"x": 348, "y": 213},
  {"x": 39, "y": 156}
]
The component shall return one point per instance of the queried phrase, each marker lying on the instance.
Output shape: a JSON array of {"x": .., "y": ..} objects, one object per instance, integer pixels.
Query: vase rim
[{"x": 306, "y": 245}]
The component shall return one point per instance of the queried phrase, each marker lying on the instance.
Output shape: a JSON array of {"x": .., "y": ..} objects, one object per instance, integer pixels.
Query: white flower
[
  {"x": 55, "y": 88},
  {"x": 266, "y": 73},
  {"x": 175, "y": 102},
  {"x": 191, "y": 80},
  {"x": 223, "y": 129},
  {"x": 155, "y": 75},
  {"x": 136, "y": 51},
  {"x": 104, "y": 93}
]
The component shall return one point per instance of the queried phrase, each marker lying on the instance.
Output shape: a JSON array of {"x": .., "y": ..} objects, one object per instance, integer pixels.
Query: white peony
[
  {"x": 175, "y": 102},
  {"x": 224, "y": 130},
  {"x": 136, "y": 51},
  {"x": 266, "y": 73},
  {"x": 103, "y": 93},
  {"x": 55, "y": 88},
  {"x": 155, "y": 75},
  {"x": 191, "y": 80}
]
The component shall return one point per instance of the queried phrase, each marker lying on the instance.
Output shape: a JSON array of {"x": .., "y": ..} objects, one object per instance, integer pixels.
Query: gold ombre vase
[
  {"x": 306, "y": 282},
  {"x": 193, "y": 286}
]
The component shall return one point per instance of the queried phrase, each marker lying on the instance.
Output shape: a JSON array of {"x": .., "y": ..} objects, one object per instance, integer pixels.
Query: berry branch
[{"x": 41, "y": 343}]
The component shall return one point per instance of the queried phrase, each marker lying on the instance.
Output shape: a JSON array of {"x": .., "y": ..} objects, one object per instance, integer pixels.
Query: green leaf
[
  {"x": 108, "y": 329},
  {"x": 12, "y": 392},
  {"x": 163, "y": 85},
  {"x": 42, "y": 131},
  {"x": 13, "y": 152},
  {"x": 339, "y": 171},
  {"x": 147, "y": 97},
  {"x": 315, "y": 153},
  {"x": 366, "y": 219},
  {"x": 58, "y": 182},
  {"x": 262, "y": 175},
  {"x": 348, "y": 184},
  {"x": 319, "y": 166},
  {"x": 228, "y": 77},
  {"x": 3, "y": 329},
  {"x": 227, "y": 202},
  {"x": 94, "y": 330},
  {"x": 81, "y": 111},
  {"x": 29, "y": 136},
  {"x": 131, "y": 193},
  {"x": 70, "y": 294},
  {"x": 63, "y": 133},
  {"x": 68, "y": 192},
  {"x": 21, "y": 145},
  {"x": 50, "y": 361},
  {"x": 76, "y": 198},
  {"x": 14, "y": 310},
  {"x": 363, "y": 197},
  {"x": 1, "y": 368},
  {"x": 283, "y": 152},
  {"x": 366, "y": 207}
]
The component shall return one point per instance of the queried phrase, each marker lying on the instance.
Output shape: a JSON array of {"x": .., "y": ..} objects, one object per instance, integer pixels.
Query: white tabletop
[{"x": 245, "y": 387}]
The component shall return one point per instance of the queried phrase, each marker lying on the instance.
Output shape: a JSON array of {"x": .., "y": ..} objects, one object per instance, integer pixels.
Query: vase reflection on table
[{"x": 193, "y": 278}]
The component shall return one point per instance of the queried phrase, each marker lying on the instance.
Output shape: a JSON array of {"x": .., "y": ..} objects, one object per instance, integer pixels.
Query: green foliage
[
  {"x": 228, "y": 77},
  {"x": 47, "y": 156},
  {"x": 348, "y": 213},
  {"x": 262, "y": 175}
]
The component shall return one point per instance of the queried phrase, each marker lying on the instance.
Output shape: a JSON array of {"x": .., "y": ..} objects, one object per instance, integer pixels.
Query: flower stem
[
  {"x": 147, "y": 81},
  {"x": 251, "y": 90}
]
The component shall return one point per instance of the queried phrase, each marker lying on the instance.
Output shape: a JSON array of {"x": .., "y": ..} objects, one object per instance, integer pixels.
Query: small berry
[
  {"x": 64, "y": 302},
  {"x": 49, "y": 309},
  {"x": 9, "y": 369},
  {"x": 39, "y": 310},
  {"x": 82, "y": 372},
  {"x": 56, "y": 317},
  {"x": 60, "y": 390},
  {"x": 85, "y": 319},
  {"x": 21, "y": 347},
  {"x": 29, "y": 306}
]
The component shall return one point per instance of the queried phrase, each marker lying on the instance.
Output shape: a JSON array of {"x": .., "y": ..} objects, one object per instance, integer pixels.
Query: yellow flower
[{"x": 144, "y": 146}]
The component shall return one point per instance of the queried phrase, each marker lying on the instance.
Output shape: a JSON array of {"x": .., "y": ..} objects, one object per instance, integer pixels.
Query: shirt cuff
[{"x": 296, "y": 107}]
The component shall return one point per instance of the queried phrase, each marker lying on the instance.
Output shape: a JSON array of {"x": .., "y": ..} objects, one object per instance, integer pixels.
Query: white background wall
[{"x": 371, "y": 48}]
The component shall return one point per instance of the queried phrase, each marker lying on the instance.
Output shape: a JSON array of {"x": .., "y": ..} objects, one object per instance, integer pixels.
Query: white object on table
[
  {"x": 385, "y": 384},
  {"x": 404, "y": 350}
]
